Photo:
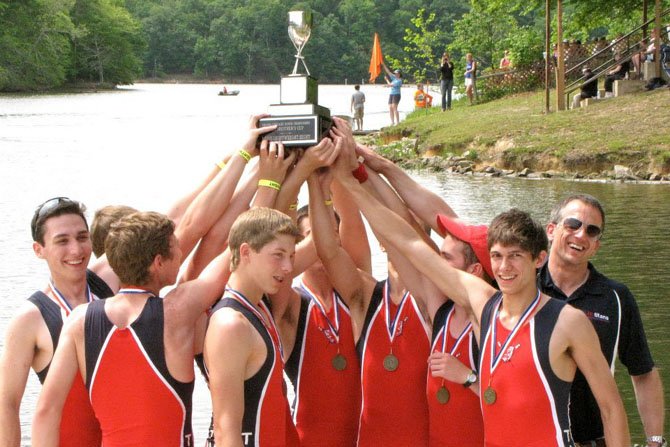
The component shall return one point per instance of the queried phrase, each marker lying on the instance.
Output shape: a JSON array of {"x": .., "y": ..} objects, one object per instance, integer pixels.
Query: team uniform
[
  {"x": 455, "y": 414},
  {"x": 267, "y": 417},
  {"x": 325, "y": 371},
  {"x": 614, "y": 313},
  {"x": 523, "y": 402},
  {"x": 78, "y": 423},
  {"x": 133, "y": 395},
  {"x": 394, "y": 348}
]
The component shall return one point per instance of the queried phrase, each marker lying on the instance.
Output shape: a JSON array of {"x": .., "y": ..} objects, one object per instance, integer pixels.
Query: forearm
[
  {"x": 423, "y": 202},
  {"x": 615, "y": 425},
  {"x": 177, "y": 210},
  {"x": 353, "y": 234},
  {"x": 649, "y": 395},
  {"x": 321, "y": 221},
  {"x": 46, "y": 427},
  {"x": 291, "y": 187}
]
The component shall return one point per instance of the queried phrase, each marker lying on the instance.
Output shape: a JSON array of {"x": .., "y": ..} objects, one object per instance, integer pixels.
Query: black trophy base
[{"x": 296, "y": 130}]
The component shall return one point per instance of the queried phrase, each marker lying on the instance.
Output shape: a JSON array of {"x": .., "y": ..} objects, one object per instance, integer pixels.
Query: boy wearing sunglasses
[{"x": 575, "y": 230}]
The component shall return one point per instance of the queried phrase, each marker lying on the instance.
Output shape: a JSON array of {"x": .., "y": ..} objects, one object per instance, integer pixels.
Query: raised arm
[
  {"x": 423, "y": 202},
  {"x": 465, "y": 289},
  {"x": 273, "y": 166},
  {"x": 62, "y": 372}
]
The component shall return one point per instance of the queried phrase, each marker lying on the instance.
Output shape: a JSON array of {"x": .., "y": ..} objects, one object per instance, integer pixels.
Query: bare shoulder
[
  {"x": 228, "y": 322},
  {"x": 74, "y": 324},
  {"x": 573, "y": 325}
]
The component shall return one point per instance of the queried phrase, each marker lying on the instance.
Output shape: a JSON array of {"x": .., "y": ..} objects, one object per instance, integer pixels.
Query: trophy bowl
[{"x": 299, "y": 30}]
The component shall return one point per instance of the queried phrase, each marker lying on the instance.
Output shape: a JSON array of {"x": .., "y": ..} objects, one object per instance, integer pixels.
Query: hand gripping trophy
[{"x": 300, "y": 121}]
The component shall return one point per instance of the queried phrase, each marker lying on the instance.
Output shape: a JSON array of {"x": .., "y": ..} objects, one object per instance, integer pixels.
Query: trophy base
[{"x": 298, "y": 130}]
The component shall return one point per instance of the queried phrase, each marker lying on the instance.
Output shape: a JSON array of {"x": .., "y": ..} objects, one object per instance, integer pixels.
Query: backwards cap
[{"x": 474, "y": 235}]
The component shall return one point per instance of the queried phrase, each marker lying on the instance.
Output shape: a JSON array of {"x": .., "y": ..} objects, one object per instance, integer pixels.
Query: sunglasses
[
  {"x": 45, "y": 209},
  {"x": 573, "y": 224}
]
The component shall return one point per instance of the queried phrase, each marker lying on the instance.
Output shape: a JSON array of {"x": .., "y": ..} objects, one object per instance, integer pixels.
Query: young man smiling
[
  {"x": 542, "y": 341},
  {"x": 575, "y": 230}
]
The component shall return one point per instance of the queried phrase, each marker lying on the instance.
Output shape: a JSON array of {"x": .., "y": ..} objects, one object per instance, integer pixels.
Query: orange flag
[{"x": 376, "y": 59}]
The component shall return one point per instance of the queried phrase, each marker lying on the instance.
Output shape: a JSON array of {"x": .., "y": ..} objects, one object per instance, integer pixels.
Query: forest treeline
[{"x": 47, "y": 44}]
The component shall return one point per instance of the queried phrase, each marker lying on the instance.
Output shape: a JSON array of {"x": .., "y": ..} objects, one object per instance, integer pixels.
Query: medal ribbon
[
  {"x": 391, "y": 325},
  {"x": 271, "y": 328},
  {"x": 465, "y": 331},
  {"x": 335, "y": 329},
  {"x": 495, "y": 358},
  {"x": 62, "y": 302}
]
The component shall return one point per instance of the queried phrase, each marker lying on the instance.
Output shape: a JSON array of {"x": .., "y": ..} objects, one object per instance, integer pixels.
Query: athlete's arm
[
  {"x": 62, "y": 372},
  {"x": 649, "y": 395},
  {"x": 423, "y": 202},
  {"x": 17, "y": 357},
  {"x": 228, "y": 349},
  {"x": 465, "y": 289},
  {"x": 272, "y": 167},
  {"x": 584, "y": 348},
  {"x": 445, "y": 365}
]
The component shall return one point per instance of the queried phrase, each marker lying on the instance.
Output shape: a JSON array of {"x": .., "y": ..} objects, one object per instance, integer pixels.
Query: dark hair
[
  {"x": 303, "y": 212},
  {"x": 516, "y": 227},
  {"x": 102, "y": 220},
  {"x": 557, "y": 213},
  {"x": 134, "y": 241},
  {"x": 55, "y": 207},
  {"x": 357, "y": 87}
]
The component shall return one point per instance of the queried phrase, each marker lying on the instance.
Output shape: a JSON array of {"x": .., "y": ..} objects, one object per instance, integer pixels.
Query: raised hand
[
  {"x": 273, "y": 162},
  {"x": 250, "y": 144}
]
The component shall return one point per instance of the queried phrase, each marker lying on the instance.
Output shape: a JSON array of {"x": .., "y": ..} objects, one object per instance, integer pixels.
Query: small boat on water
[{"x": 229, "y": 93}]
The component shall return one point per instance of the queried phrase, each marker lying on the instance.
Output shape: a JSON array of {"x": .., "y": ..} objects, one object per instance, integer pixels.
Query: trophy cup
[{"x": 300, "y": 121}]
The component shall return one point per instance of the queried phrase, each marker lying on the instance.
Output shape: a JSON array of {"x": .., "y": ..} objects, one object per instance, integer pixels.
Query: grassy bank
[{"x": 515, "y": 133}]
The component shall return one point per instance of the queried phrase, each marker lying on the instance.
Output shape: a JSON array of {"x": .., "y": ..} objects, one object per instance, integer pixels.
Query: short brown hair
[
  {"x": 258, "y": 227},
  {"x": 516, "y": 227},
  {"x": 134, "y": 241},
  {"x": 102, "y": 220}
]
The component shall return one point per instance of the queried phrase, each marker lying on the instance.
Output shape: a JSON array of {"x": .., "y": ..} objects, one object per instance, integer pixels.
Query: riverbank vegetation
[
  {"x": 49, "y": 43},
  {"x": 513, "y": 136}
]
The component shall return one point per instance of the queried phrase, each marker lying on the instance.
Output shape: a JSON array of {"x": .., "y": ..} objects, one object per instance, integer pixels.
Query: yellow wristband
[
  {"x": 293, "y": 206},
  {"x": 269, "y": 183},
  {"x": 244, "y": 154},
  {"x": 328, "y": 202},
  {"x": 221, "y": 164}
]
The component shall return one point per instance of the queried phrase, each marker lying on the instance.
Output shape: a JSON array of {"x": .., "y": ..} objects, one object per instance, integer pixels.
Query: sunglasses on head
[
  {"x": 573, "y": 224},
  {"x": 45, "y": 208}
]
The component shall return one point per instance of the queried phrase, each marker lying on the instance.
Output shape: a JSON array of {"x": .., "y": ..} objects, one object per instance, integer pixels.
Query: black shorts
[{"x": 394, "y": 99}]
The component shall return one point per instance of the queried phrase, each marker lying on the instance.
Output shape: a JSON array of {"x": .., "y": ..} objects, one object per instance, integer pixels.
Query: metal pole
[{"x": 547, "y": 50}]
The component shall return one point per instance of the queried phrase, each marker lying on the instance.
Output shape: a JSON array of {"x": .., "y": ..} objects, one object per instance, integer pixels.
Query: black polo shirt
[{"x": 613, "y": 311}]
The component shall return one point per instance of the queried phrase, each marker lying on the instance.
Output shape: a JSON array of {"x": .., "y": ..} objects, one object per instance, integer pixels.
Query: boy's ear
[{"x": 245, "y": 251}]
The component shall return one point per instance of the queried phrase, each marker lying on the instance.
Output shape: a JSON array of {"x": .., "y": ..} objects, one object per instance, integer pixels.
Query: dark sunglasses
[
  {"x": 573, "y": 224},
  {"x": 44, "y": 209}
]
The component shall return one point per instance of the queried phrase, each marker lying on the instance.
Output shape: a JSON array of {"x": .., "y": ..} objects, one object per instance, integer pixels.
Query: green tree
[
  {"x": 107, "y": 44},
  {"x": 34, "y": 44}
]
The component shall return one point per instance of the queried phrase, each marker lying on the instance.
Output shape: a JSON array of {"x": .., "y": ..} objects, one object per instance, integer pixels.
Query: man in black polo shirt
[{"x": 575, "y": 228}]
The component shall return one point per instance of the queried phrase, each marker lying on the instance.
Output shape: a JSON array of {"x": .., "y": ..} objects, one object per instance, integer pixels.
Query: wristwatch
[
  {"x": 472, "y": 378},
  {"x": 660, "y": 440}
]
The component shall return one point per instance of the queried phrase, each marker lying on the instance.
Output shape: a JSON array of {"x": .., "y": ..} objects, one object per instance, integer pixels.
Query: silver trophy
[{"x": 300, "y": 121}]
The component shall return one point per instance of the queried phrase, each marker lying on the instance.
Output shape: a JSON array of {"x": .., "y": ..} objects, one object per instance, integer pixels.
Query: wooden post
[
  {"x": 644, "y": 19},
  {"x": 547, "y": 50},
  {"x": 560, "y": 69},
  {"x": 657, "y": 42}
]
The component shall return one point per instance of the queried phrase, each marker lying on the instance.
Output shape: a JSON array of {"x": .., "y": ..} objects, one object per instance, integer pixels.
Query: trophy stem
[{"x": 298, "y": 58}]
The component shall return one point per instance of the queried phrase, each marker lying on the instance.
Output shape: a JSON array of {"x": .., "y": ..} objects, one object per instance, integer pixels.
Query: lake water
[{"x": 147, "y": 144}]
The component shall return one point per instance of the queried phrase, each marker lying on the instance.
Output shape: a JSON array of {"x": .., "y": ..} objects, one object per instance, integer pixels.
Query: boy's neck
[
  {"x": 75, "y": 292},
  {"x": 245, "y": 285}
]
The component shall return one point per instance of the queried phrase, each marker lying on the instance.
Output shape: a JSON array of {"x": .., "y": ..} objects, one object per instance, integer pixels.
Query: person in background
[
  {"x": 446, "y": 81},
  {"x": 617, "y": 73},
  {"x": 470, "y": 75},
  {"x": 589, "y": 88},
  {"x": 102, "y": 220},
  {"x": 575, "y": 229},
  {"x": 358, "y": 107},
  {"x": 393, "y": 80},
  {"x": 422, "y": 100},
  {"x": 505, "y": 62}
]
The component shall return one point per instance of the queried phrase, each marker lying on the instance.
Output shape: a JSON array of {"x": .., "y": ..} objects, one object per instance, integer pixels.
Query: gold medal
[
  {"x": 443, "y": 395},
  {"x": 390, "y": 363},
  {"x": 490, "y": 396},
  {"x": 339, "y": 362}
]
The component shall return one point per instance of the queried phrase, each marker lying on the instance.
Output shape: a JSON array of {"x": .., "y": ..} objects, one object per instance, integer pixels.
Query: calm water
[{"x": 145, "y": 145}]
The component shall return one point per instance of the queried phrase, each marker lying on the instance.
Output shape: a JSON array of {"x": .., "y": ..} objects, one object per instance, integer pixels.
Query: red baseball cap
[{"x": 474, "y": 235}]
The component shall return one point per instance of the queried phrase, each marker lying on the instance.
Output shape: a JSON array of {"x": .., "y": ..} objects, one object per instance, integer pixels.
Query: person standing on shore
[
  {"x": 575, "y": 229},
  {"x": 357, "y": 106},
  {"x": 394, "y": 80},
  {"x": 470, "y": 75},
  {"x": 446, "y": 81}
]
